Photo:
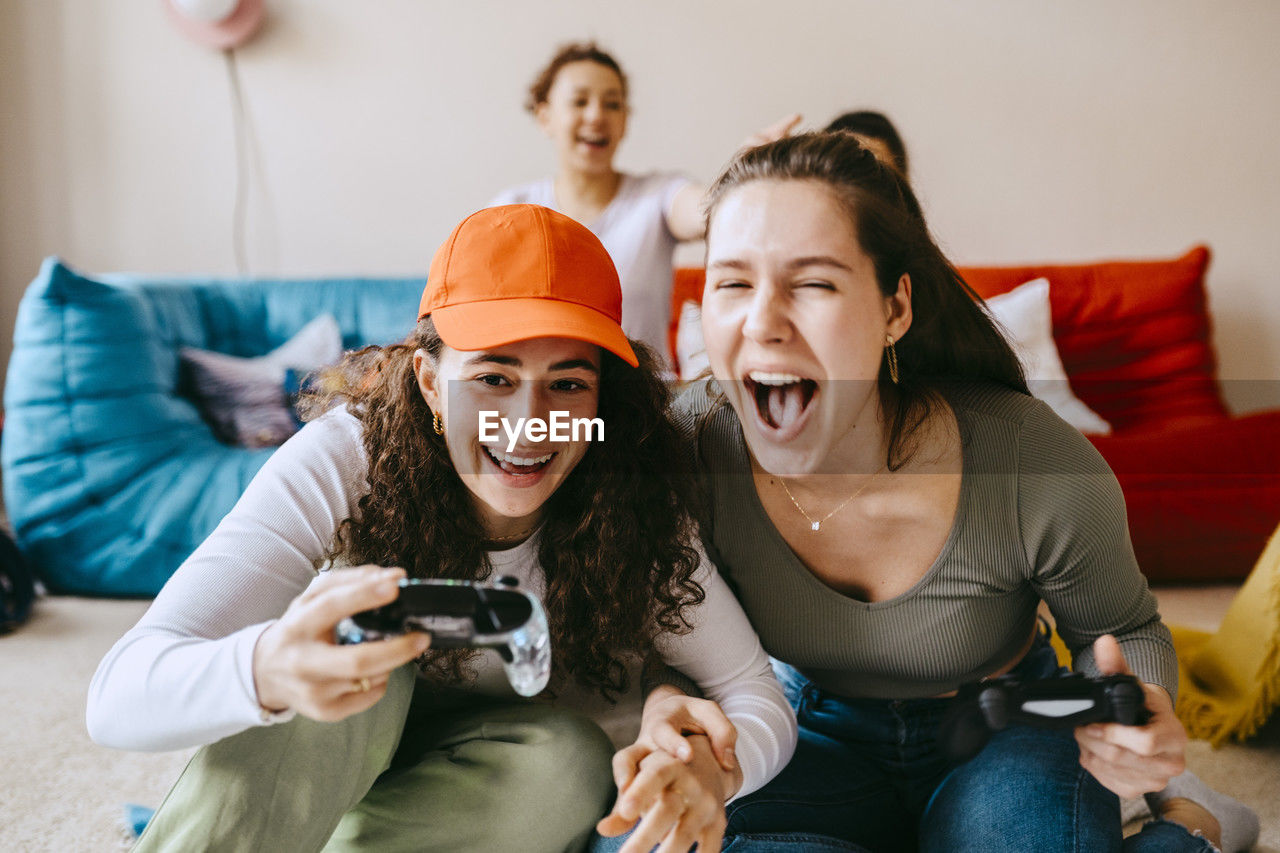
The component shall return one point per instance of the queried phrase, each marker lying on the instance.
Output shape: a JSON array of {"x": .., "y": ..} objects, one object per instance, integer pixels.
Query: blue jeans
[{"x": 868, "y": 775}]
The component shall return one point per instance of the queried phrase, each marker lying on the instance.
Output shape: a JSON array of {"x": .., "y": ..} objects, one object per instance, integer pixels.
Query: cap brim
[{"x": 496, "y": 322}]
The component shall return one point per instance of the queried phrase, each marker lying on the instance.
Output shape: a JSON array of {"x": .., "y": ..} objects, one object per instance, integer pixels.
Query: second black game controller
[
  {"x": 466, "y": 614},
  {"x": 983, "y": 707}
]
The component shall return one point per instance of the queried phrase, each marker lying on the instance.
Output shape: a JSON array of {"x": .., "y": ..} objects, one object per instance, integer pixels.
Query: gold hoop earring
[
  {"x": 891, "y": 355},
  {"x": 437, "y": 423}
]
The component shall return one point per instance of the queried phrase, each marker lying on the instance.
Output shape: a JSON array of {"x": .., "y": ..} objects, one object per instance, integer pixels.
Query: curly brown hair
[
  {"x": 615, "y": 545},
  {"x": 587, "y": 51}
]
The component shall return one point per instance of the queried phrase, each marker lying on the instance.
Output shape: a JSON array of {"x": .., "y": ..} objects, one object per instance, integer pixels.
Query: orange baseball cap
[{"x": 522, "y": 271}]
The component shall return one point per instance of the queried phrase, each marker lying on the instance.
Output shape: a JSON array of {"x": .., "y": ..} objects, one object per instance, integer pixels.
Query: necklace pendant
[{"x": 816, "y": 525}]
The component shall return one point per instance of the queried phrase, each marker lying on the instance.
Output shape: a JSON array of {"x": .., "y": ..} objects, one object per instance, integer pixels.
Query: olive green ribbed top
[{"x": 1040, "y": 516}]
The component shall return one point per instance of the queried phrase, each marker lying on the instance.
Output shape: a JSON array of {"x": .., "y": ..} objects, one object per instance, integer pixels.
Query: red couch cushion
[
  {"x": 1202, "y": 499},
  {"x": 1134, "y": 335},
  {"x": 686, "y": 287}
]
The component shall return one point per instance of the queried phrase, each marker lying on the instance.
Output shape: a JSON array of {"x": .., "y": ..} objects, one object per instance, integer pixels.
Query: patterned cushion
[{"x": 246, "y": 400}]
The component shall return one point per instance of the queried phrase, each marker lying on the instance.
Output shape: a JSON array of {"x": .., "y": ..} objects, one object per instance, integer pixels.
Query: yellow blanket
[{"x": 1230, "y": 680}]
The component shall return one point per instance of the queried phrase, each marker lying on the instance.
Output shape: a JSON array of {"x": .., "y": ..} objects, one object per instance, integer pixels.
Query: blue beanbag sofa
[{"x": 111, "y": 478}]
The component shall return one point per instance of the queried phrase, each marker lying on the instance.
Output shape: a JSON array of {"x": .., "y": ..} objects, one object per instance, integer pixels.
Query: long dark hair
[
  {"x": 615, "y": 542},
  {"x": 951, "y": 336},
  {"x": 876, "y": 125}
]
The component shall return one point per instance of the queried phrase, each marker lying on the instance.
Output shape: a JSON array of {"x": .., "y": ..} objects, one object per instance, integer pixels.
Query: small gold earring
[
  {"x": 891, "y": 355},
  {"x": 437, "y": 422}
]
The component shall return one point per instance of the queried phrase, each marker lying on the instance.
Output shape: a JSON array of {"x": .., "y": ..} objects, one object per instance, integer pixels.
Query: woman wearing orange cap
[
  {"x": 579, "y": 100},
  {"x": 311, "y": 744}
]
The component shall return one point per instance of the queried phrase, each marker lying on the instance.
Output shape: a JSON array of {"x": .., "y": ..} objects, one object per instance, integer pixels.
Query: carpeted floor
[{"x": 60, "y": 792}]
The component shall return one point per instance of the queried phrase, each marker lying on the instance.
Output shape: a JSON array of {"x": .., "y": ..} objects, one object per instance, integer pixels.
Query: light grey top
[
  {"x": 634, "y": 230},
  {"x": 1040, "y": 516}
]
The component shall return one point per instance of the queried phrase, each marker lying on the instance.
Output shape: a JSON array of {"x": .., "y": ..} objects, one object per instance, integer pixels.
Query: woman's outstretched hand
[
  {"x": 685, "y": 214},
  {"x": 297, "y": 665},
  {"x": 772, "y": 133},
  {"x": 1132, "y": 760},
  {"x": 677, "y": 804}
]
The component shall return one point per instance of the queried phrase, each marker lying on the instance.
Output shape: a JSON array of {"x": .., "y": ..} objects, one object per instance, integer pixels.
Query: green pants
[{"x": 487, "y": 777}]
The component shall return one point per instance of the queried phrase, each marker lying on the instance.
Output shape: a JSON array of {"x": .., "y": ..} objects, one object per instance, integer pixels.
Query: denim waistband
[{"x": 899, "y": 721}]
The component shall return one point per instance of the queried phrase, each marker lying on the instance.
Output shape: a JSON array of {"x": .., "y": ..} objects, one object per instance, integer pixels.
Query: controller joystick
[
  {"x": 1126, "y": 702},
  {"x": 466, "y": 614},
  {"x": 994, "y": 703}
]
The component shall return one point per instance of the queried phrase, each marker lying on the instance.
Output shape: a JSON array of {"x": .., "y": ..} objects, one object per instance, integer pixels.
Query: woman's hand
[
  {"x": 1133, "y": 760},
  {"x": 670, "y": 715},
  {"x": 677, "y": 804},
  {"x": 297, "y": 665},
  {"x": 685, "y": 214},
  {"x": 780, "y": 128}
]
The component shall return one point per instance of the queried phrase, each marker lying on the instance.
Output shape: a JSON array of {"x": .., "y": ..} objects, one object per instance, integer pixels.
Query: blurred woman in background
[{"x": 580, "y": 101}]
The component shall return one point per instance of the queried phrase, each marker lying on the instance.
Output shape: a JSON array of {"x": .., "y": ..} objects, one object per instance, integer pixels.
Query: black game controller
[
  {"x": 466, "y": 614},
  {"x": 983, "y": 707}
]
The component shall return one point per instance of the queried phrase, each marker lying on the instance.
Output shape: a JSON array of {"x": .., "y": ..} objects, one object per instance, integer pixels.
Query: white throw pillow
[
  {"x": 691, "y": 351},
  {"x": 1025, "y": 318}
]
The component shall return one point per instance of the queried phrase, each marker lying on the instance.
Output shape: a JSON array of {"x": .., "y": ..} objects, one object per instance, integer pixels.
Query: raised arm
[{"x": 685, "y": 216}]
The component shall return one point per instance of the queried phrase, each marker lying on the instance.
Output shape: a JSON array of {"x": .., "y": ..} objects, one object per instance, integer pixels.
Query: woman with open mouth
[
  {"x": 892, "y": 506},
  {"x": 393, "y": 745},
  {"x": 579, "y": 100}
]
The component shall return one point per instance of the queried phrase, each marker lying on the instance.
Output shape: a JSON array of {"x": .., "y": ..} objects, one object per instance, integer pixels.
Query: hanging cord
[{"x": 239, "y": 122}]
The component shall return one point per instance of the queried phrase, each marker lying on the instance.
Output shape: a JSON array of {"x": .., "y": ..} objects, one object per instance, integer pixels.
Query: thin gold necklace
[
  {"x": 816, "y": 526},
  {"x": 522, "y": 534}
]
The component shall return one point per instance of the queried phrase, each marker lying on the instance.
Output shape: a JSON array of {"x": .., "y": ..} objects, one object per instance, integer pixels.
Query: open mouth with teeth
[
  {"x": 509, "y": 463},
  {"x": 782, "y": 399},
  {"x": 594, "y": 141}
]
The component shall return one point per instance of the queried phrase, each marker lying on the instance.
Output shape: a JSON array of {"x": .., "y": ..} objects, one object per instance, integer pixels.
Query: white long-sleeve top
[{"x": 183, "y": 676}]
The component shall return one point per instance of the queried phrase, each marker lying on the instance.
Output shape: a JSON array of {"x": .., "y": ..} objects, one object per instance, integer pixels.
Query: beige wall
[{"x": 1038, "y": 130}]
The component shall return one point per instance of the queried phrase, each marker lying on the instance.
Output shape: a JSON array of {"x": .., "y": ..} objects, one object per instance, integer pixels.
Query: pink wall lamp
[{"x": 221, "y": 24}]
